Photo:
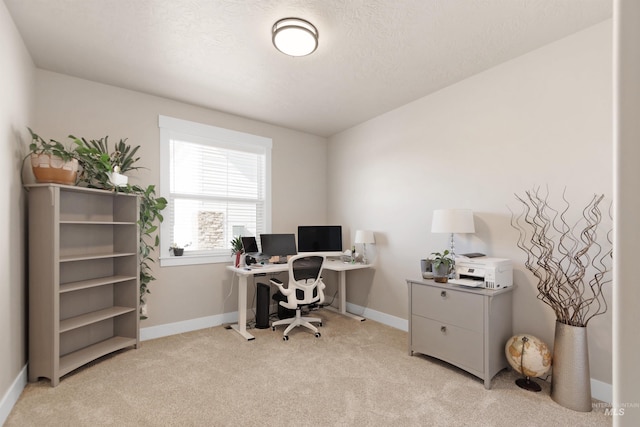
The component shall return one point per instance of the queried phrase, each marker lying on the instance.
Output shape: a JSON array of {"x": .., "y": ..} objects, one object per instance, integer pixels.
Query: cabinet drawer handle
[
  {"x": 443, "y": 329},
  {"x": 443, "y": 294}
]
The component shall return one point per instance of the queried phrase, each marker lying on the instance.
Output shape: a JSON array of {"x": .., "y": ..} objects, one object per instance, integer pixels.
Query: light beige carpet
[{"x": 356, "y": 374}]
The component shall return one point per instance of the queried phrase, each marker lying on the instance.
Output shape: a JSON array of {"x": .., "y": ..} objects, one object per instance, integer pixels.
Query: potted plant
[
  {"x": 441, "y": 265},
  {"x": 237, "y": 249},
  {"x": 177, "y": 250},
  {"x": 104, "y": 168},
  {"x": 51, "y": 161}
]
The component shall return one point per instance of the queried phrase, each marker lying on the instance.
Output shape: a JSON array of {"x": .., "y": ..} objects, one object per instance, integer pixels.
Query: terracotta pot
[{"x": 48, "y": 168}]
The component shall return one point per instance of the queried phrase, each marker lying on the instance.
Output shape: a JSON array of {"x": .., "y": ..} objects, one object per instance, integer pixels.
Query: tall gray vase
[{"x": 571, "y": 380}]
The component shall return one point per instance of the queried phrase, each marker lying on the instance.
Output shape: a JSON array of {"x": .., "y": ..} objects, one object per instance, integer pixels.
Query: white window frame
[{"x": 171, "y": 128}]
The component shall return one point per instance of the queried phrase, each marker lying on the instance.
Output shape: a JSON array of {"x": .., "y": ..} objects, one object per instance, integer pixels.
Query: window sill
[{"x": 172, "y": 261}]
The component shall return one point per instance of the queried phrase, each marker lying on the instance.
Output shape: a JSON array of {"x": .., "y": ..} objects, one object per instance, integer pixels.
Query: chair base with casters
[
  {"x": 305, "y": 288},
  {"x": 294, "y": 322}
]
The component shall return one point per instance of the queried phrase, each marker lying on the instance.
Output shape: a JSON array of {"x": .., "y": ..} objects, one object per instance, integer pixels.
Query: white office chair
[{"x": 305, "y": 287}]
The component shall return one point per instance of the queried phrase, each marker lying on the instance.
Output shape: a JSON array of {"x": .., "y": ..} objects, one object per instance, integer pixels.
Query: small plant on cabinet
[{"x": 441, "y": 264}]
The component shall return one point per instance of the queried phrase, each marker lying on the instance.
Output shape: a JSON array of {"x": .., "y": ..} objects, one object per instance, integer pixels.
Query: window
[{"x": 217, "y": 183}]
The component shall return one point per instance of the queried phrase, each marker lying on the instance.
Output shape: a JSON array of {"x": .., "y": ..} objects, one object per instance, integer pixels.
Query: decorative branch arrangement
[{"x": 559, "y": 256}]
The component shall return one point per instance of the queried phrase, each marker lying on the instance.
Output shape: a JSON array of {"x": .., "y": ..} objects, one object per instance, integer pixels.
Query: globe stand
[{"x": 526, "y": 382}]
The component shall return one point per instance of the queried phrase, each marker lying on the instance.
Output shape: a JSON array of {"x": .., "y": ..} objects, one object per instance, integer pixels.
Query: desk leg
[
  {"x": 342, "y": 298},
  {"x": 241, "y": 327}
]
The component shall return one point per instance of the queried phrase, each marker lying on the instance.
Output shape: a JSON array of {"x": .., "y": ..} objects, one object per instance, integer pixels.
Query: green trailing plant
[{"x": 151, "y": 208}]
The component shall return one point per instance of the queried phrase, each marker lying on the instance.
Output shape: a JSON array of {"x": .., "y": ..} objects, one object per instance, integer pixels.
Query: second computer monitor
[
  {"x": 280, "y": 245},
  {"x": 325, "y": 239}
]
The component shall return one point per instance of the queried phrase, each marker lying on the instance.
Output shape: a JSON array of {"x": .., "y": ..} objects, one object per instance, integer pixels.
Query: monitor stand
[{"x": 281, "y": 260}]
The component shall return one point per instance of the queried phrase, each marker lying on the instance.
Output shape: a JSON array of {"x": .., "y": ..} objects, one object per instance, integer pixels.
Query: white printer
[{"x": 484, "y": 272}]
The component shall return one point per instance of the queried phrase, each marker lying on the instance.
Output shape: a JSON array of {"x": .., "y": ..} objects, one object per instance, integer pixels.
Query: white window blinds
[{"x": 217, "y": 185}]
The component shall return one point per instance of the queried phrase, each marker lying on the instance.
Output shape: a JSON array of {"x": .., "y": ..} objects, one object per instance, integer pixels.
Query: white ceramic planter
[{"x": 118, "y": 180}]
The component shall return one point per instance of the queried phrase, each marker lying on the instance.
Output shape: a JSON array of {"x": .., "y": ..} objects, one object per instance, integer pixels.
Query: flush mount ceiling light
[{"x": 295, "y": 37}]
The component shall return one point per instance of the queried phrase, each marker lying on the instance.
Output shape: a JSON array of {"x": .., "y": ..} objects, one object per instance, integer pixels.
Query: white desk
[{"x": 329, "y": 265}]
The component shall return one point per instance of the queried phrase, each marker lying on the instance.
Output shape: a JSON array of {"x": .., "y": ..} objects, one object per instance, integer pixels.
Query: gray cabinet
[
  {"x": 83, "y": 277},
  {"x": 467, "y": 327}
]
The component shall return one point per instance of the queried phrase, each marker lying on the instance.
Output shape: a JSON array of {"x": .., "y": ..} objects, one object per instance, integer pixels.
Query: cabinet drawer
[
  {"x": 458, "y": 346},
  {"x": 461, "y": 309}
]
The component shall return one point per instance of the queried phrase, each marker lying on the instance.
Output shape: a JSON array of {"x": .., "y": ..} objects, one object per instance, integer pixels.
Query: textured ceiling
[{"x": 374, "y": 55}]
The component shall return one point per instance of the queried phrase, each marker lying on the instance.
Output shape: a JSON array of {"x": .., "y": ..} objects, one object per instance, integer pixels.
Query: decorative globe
[{"x": 537, "y": 357}]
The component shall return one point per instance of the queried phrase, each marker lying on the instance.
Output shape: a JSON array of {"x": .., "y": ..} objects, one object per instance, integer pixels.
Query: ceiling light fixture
[{"x": 295, "y": 37}]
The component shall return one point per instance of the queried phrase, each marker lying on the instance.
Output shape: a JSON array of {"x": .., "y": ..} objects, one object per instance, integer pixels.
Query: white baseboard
[
  {"x": 378, "y": 316},
  {"x": 168, "y": 329},
  {"x": 11, "y": 396},
  {"x": 153, "y": 332},
  {"x": 601, "y": 391}
]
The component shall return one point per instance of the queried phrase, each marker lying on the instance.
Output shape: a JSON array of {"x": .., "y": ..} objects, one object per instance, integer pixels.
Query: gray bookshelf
[{"x": 83, "y": 277}]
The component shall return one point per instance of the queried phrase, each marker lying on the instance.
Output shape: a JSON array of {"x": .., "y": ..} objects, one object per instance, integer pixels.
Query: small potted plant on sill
[
  {"x": 441, "y": 264},
  {"x": 51, "y": 161},
  {"x": 177, "y": 250},
  {"x": 237, "y": 249}
]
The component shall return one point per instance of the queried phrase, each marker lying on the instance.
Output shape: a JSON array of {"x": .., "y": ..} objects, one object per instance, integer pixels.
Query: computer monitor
[
  {"x": 249, "y": 244},
  {"x": 326, "y": 239},
  {"x": 280, "y": 245}
]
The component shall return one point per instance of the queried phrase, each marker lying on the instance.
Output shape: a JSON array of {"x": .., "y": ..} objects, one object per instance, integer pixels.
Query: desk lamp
[
  {"x": 364, "y": 237},
  {"x": 453, "y": 221}
]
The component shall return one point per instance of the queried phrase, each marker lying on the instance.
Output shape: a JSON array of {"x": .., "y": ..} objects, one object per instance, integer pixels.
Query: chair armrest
[
  {"x": 280, "y": 286},
  {"x": 321, "y": 287}
]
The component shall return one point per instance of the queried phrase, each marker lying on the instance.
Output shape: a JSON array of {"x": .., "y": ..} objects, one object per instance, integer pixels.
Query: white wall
[
  {"x": 16, "y": 103},
  {"x": 67, "y": 105},
  {"x": 626, "y": 375},
  {"x": 542, "y": 119}
]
